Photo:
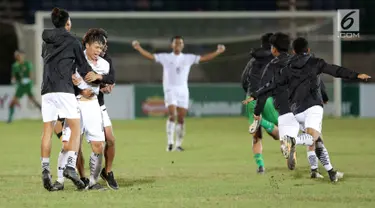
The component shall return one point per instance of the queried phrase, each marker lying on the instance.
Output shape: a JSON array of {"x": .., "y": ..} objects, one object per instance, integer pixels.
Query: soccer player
[
  {"x": 109, "y": 151},
  {"x": 251, "y": 78},
  {"x": 303, "y": 82},
  {"x": 61, "y": 133},
  {"x": 21, "y": 76},
  {"x": 91, "y": 113},
  {"x": 62, "y": 54},
  {"x": 309, "y": 111},
  {"x": 288, "y": 125},
  {"x": 176, "y": 68}
]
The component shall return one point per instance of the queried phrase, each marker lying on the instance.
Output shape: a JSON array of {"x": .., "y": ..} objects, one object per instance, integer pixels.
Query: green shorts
[
  {"x": 269, "y": 112},
  {"x": 23, "y": 89}
]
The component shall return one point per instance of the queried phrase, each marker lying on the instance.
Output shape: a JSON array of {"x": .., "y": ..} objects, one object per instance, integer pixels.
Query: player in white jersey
[
  {"x": 176, "y": 69},
  {"x": 91, "y": 116}
]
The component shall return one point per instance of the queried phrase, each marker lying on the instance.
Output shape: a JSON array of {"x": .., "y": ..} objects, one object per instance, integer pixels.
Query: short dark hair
[
  {"x": 103, "y": 32},
  {"x": 300, "y": 45},
  {"x": 265, "y": 40},
  {"x": 280, "y": 41},
  {"x": 59, "y": 17},
  {"x": 94, "y": 35},
  {"x": 177, "y": 37}
]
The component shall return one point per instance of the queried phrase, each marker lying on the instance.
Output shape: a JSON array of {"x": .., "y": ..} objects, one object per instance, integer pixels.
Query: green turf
[{"x": 217, "y": 169}]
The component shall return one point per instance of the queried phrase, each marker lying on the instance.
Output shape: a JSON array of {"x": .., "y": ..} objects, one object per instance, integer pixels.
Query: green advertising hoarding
[{"x": 225, "y": 100}]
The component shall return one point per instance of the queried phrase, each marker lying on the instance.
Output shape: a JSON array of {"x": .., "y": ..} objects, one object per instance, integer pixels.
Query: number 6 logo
[{"x": 347, "y": 18}]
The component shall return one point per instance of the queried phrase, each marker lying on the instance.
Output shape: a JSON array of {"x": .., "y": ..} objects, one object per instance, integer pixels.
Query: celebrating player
[
  {"x": 62, "y": 54},
  {"x": 21, "y": 72},
  {"x": 288, "y": 125},
  {"x": 303, "y": 82},
  {"x": 251, "y": 78},
  {"x": 176, "y": 68},
  {"x": 91, "y": 113},
  {"x": 109, "y": 151},
  {"x": 309, "y": 111}
]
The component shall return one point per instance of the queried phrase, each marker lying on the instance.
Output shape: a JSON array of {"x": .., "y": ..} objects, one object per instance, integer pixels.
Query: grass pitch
[{"x": 217, "y": 169}]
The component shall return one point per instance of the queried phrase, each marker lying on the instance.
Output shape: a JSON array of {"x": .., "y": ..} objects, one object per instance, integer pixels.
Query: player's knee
[
  {"x": 110, "y": 141},
  {"x": 13, "y": 102},
  {"x": 180, "y": 119},
  {"x": 314, "y": 133},
  {"x": 97, "y": 147},
  {"x": 256, "y": 139},
  {"x": 172, "y": 117}
]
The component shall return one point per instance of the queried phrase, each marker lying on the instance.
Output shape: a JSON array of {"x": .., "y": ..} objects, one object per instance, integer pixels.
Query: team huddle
[
  {"x": 293, "y": 84},
  {"x": 74, "y": 81},
  {"x": 284, "y": 94}
]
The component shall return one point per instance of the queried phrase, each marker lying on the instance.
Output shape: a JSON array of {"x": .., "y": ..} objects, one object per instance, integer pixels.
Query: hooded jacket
[
  {"x": 62, "y": 55},
  {"x": 253, "y": 71},
  {"x": 305, "y": 89},
  {"x": 272, "y": 74},
  {"x": 301, "y": 79},
  {"x": 107, "y": 79}
]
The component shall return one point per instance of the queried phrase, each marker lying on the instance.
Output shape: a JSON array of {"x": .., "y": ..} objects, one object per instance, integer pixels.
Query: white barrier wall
[
  {"x": 26, "y": 110},
  {"x": 120, "y": 104},
  {"x": 367, "y": 100}
]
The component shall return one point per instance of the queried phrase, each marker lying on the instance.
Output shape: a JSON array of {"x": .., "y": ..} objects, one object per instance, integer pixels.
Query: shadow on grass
[{"x": 128, "y": 182}]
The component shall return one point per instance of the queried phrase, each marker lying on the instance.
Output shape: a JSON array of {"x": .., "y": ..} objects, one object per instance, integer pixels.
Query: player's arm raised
[
  {"x": 137, "y": 46},
  {"x": 341, "y": 72},
  {"x": 208, "y": 57}
]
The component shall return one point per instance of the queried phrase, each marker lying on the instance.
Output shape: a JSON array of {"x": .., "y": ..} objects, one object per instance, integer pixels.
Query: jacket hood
[
  {"x": 260, "y": 53},
  {"x": 299, "y": 61},
  {"x": 55, "y": 36}
]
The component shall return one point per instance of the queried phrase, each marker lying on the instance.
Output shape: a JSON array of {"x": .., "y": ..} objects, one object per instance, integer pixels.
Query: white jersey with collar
[
  {"x": 176, "y": 68},
  {"x": 101, "y": 67}
]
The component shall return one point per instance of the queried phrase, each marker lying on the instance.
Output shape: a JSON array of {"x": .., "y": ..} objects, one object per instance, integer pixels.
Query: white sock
[
  {"x": 45, "y": 163},
  {"x": 313, "y": 160},
  {"x": 180, "y": 132},
  {"x": 95, "y": 167},
  {"x": 170, "y": 131},
  {"x": 304, "y": 139},
  {"x": 71, "y": 159},
  {"x": 61, "y": 163}
]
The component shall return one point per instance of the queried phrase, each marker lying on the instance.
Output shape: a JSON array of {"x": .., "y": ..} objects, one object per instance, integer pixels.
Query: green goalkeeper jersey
[{"x": 22, "y": 72}]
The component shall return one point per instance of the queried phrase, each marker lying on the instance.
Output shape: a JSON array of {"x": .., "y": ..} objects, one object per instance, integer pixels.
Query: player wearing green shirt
[
  {"x": 21, "y": 76},
  {"x": 251, "y": 82}
]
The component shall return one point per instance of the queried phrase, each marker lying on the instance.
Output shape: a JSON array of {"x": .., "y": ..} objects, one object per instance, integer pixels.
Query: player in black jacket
[
  {"x": 302, "y": 80},
  {"x": 251, "y": 78},
  {"x": 288, "y": 125},
  {"x": 62, "y": 55},
  {"x": 107, "y": 83}
]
